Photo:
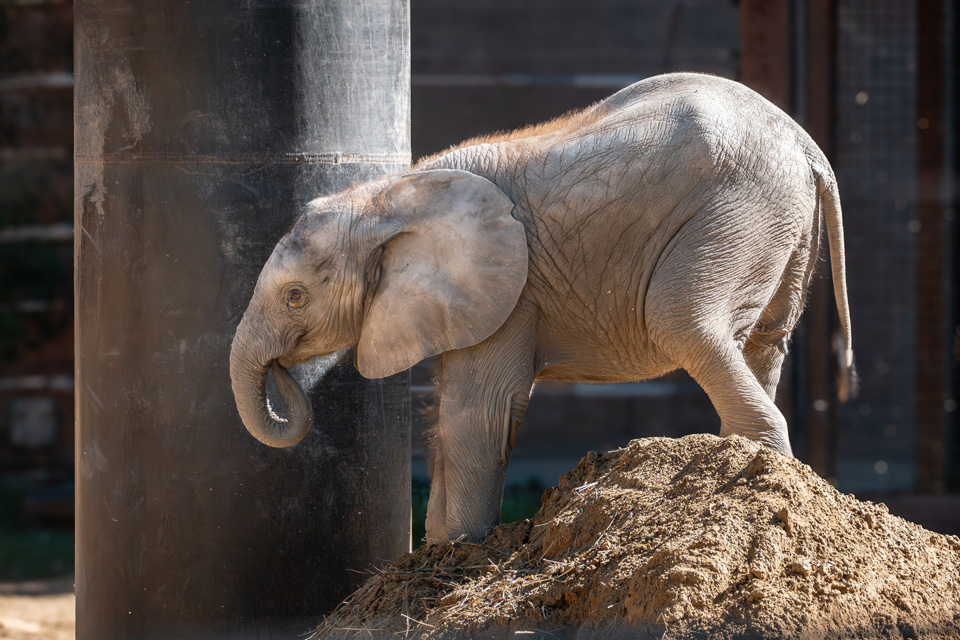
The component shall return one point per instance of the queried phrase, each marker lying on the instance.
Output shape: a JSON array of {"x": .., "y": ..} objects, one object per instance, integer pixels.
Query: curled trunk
[{"x": 248, "y": 377}]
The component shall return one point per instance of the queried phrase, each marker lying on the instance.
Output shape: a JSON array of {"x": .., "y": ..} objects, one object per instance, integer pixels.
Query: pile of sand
[
  {"x": 37, "y": 610},
  {"x": 677, "y": 538}
]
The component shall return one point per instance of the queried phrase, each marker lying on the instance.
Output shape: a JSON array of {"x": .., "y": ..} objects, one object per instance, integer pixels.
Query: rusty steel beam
[
  {"x": 765, "y": 49},
  {"x": 819, "y": 315},
  {"x": 930, "y": 379}
]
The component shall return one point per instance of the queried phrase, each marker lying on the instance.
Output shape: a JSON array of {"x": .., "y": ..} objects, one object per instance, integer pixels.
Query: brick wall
[{"x": 36, "y": 248}]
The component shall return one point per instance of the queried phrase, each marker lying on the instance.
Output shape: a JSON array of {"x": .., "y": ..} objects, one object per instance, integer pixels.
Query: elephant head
[{"x": 402, "y": 269}]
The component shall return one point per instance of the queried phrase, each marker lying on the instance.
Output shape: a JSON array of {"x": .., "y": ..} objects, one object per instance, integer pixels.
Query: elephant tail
[{"x": 848, "y": 381}]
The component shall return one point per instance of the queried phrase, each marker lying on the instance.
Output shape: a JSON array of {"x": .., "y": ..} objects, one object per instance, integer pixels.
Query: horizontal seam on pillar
[{"x": 246, "y": 158}]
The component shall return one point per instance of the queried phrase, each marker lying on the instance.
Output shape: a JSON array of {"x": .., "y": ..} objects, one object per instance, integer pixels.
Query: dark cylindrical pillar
[{"x": 201, "y": 129}]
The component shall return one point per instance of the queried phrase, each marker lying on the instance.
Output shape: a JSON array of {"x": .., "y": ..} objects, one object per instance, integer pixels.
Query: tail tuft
[{"x": 848, "y": 380}]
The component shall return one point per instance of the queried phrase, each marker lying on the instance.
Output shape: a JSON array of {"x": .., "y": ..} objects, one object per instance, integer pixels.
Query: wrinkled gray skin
[{"x": 674, "y": 224}]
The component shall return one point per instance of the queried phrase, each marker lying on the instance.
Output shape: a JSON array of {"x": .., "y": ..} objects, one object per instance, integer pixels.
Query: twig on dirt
[
  {"x": 442, "y": 562},
  {"x": 666, "y": 627},
  {"x": 420, "y": 622},
  {"x": 531, "y": 631},
  {"x": 584, "y": 487},
  {"x": 403, "y": 611},
  {"x": 498, "y": 551}
]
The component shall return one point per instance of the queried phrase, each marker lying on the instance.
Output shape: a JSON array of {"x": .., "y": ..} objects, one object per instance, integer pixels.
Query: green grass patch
[{"x": 30, "y": 552}]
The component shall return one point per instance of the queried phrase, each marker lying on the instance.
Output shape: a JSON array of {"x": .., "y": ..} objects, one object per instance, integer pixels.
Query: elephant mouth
[
  {"x": 286, "y": 362},
  {"x": 297, "y": 361},
  {"x": 306, "y": 371},
  {"x": 309, "y": 372}
]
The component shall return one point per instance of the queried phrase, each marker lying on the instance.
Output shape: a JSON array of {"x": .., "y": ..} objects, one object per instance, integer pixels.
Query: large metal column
[{"x": 201, "y": 128}]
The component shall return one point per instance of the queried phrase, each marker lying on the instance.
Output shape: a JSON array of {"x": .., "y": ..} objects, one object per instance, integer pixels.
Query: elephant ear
[{"x": 452, "y": 269}]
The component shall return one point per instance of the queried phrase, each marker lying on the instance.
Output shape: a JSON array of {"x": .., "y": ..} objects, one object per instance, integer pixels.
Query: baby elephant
[{"x": 675, "y": 224}]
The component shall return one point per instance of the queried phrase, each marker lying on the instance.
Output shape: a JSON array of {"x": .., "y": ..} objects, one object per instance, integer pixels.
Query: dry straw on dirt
[{"x": 697, "y": 537}]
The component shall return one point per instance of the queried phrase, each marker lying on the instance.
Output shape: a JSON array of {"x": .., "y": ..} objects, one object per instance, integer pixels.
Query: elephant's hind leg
[
  {"x": 766, "y": 363},
  {"x": 768, "y": 343},
  {"x": 714, "y": 356},
  {"x": 746, "y": 408},
  {"x": 702, "y": 312}
]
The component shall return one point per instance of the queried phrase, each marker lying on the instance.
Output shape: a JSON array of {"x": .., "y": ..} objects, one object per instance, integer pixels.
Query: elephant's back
[
  {"x": 700, "y": 95},
  {"x": 606, "y": 201},
  {"x": 654, "y": 122},
  {"x": 713, "y": 130},
  {"x": 669, "y": 137}
]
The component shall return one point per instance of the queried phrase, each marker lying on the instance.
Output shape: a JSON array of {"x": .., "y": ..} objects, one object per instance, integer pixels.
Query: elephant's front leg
[{"x": 484, "y": 392}]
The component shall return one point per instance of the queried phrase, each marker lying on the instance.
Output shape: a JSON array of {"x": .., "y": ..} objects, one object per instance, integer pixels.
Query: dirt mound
[{"x": 676, "y": 538}]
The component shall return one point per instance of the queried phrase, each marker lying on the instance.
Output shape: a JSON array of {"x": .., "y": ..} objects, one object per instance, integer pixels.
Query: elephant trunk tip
[{"x": 249, "y": 381}]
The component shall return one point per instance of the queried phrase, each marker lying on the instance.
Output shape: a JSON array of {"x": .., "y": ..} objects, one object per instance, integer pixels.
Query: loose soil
[
  {"x": 39, "y": 610},
  {"x": 697, "y": 537}
]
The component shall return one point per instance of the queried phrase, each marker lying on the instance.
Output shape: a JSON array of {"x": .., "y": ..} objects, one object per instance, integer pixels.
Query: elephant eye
[{"x": 296, "y": 298}]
